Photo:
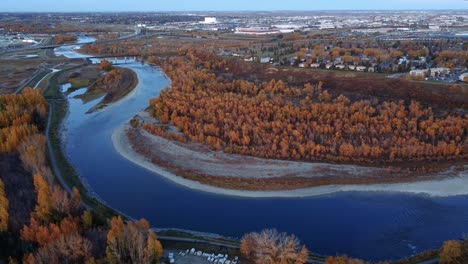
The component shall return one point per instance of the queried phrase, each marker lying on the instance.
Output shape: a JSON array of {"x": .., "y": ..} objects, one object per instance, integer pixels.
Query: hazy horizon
[{"x": 237, "y": 6}]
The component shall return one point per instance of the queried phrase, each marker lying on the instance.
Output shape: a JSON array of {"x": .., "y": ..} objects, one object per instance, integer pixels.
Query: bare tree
[{"x": 272, "y": 247}]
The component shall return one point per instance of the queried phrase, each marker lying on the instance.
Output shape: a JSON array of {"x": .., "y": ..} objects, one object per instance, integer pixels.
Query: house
[
  {"x": 439, "y": 71},
  {"x": 418, "y": 73},
  {"x": 402, "y": 60},
  {"x": 265, "y": 60}
]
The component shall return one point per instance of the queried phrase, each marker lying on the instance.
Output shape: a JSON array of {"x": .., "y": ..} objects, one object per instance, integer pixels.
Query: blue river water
[{"x": 368, "y": 225}]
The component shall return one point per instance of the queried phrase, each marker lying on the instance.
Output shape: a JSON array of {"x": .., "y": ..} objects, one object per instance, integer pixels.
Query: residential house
[
  {"x": 418, "y": 73},
  {"x": 439, "y": 71},
  {"x": 265, "y": 60}
]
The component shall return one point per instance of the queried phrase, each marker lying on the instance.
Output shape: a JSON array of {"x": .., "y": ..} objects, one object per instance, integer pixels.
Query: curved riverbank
[
  {"x": 439, "y": 188},
  {"x": 113, "y": 91}
]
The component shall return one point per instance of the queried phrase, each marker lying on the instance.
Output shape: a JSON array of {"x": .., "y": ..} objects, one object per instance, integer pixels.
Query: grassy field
[
  {"x": 77, "y": 83},
  {"x": 13, "y": 73}
]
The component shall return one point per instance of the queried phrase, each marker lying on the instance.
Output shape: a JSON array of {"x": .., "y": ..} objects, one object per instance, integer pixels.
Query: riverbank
[
  {"x": 449, "y": 183},
  {"x": 63, "y": 170}
]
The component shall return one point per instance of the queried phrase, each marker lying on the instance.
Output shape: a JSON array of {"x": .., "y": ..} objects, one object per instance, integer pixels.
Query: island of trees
[{"x": 114, "y": 85}]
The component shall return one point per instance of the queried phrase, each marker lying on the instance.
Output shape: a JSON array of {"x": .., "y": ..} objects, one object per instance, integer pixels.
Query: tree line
[
  {"x": 59, "y": 229},
  {"x": 274, "y": 120}
]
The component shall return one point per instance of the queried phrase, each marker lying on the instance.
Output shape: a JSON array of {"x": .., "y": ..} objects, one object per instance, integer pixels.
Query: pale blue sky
[{"x": 223, "y": 5}]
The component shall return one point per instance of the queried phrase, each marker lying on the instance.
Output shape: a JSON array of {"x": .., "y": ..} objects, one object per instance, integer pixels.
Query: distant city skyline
[{"x": 217, "y": 5}]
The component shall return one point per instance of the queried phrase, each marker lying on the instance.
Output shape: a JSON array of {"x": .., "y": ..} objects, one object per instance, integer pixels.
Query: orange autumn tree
[
  {"x": 43, "y": 210},
  {"x": 134, "y": 242},
  {"x": 3, "y": 208},
  {"x": 20, "y": 116},
  {"x": 105, "y": 65},
  {"x": 72, "y": 248},
  {"x": 450, "y": 252},
  {"x": 58, "y": 243},
  {"x": 32, "y": 152},
  {"x": 273, "y": 120}
]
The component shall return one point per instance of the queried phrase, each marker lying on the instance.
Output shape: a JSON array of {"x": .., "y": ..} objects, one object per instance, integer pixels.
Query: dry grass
[{"x": 238, "y": 172}]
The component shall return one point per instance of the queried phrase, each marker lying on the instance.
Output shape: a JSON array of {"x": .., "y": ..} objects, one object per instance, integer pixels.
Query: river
[{"x": 369, "y": 225}]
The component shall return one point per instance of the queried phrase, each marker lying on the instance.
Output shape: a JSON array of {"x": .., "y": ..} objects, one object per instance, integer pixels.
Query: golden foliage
[
  {"x": 271, "y": 120},
  {"x": 17, "y": 117},
  {"x": 3, "y": 208},
  {"x": 44, "y": 204},
  {"x": 450, "y": 252},
  {"x": 105, "y": 65},
  {"x": 64, "y": 38},
  {"x": 132, "y": 243}
]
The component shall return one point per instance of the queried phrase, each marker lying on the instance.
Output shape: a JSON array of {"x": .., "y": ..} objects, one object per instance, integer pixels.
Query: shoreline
[
  {"x": 129, "y": 91},
  {"x": 452, "y": 186}
]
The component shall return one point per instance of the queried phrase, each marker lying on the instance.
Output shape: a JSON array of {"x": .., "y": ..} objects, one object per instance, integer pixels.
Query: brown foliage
[
  {"x": 105, "y": 65},
  {"x": 32, "y": 152},
  {"x": 64, "y": 38},
  {"x": 45, "y": 234},
  {"x": 271, "y": 120},
  {"x": 3, "y": 208},
  {"x": 111, "y": 81},
  {"x": 132, "y": 243},
  {"x": 72, "y": 248},
  {"x": 16, "y": 117},
  {"x": 43, "y": 210},
  {"x": 450, "y": 252},
  {"x": 271, "y": 247},
  {"x": 343, "y": 260}
]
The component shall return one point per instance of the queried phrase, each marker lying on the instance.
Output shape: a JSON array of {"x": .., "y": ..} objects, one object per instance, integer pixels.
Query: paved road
[
  {"x": 193, "y": 240},
  {"x": 218, "y": 244},
  {"x": 430, "y": 261},
  {"x": 38, "y": 47},
  {"x": 53, "y": 161},
  {"x": 26, "y": 82}
]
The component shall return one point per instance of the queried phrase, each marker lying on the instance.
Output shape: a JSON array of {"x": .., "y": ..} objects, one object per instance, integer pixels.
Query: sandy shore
[{"x": 440, "y": 188}]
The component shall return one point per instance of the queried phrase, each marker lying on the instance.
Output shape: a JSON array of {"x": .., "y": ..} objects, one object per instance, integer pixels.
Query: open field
[{"x": 14, "y": 73}]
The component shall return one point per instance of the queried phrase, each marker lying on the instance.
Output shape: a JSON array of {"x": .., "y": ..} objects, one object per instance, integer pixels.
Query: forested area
[
  {"x": 64, "y": 38},
  {"x": 275, "y": 120},
  {"x": 40, "y": 222},
  {"x": 20, "y": 116}
]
